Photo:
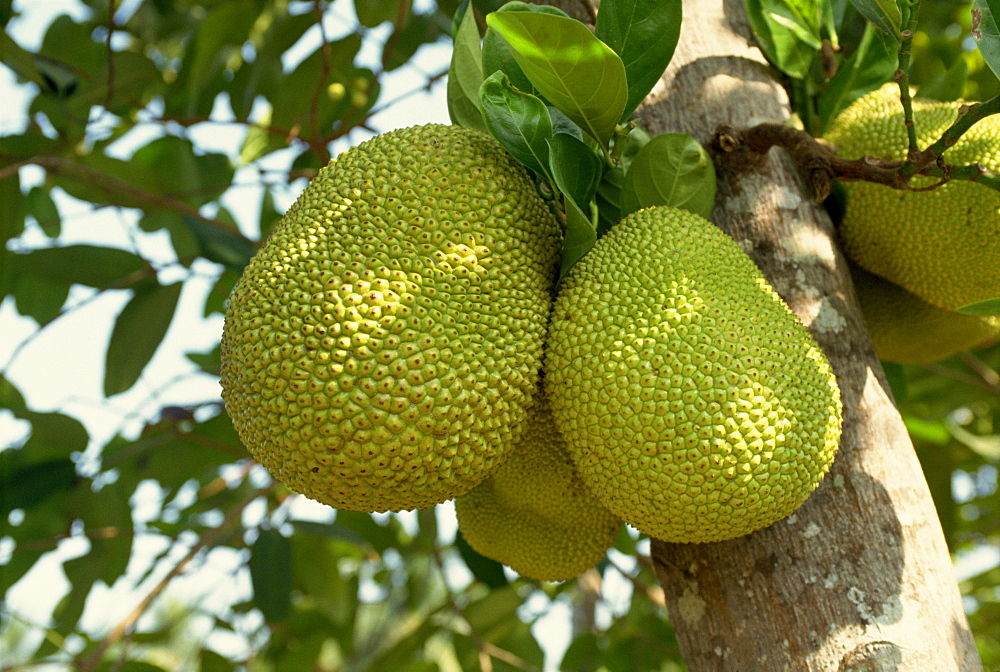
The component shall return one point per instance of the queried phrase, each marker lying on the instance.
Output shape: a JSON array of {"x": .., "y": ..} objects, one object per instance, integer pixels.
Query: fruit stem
[{"x": 902, "y": 77}]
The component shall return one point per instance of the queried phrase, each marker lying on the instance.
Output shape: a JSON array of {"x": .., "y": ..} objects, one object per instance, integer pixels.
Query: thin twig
[
  {"x": 486, "y": 649},
  {"x": 114, "y": 186},
  {"x": 210, "y": 538},
  {"x": 319, "y": 147}
]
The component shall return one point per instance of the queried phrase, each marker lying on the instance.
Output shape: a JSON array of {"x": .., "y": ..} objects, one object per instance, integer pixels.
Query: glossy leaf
[
  {"x": 672, "y": 169},
  {"x": 271, "y": 573},
  {"x": 609, "y": 189},
  {"x": 137, "y": 335},
  {"x": 987, "y": 307},
  {"x": 581, "y": 234},
  {"x": 575, "y": 168},
  {"x": 986, "y": 31},
  {"x": 644, "y": 34},
  {"x": 787, "y": 31},
  {"x": 465, "y": 75},
  {"x": 569, "y": 66},
  {"x": 519, "y": 120},
  {"x": 884, "y": 14},
  {"x": 497, "y": 54}
]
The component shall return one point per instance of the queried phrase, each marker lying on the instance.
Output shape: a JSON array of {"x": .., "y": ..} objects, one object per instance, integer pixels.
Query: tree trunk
[{"x": 859, "y": 579}]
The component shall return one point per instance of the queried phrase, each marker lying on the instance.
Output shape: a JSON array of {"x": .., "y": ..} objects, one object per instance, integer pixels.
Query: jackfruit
[
  {"x": 383, "y": 347},
  {"x": 942, "y": 245},
  {"x": 695, "y": 405},
  {"x": 534, "y": 514},
  {"x": 907, "y": 330}
]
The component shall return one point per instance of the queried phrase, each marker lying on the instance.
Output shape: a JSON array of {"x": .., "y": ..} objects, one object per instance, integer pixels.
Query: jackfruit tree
[{"x": 484, "y": 335}]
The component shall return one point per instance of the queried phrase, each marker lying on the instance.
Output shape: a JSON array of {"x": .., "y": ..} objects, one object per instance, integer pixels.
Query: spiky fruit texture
[
  {"x": 535, "y": 514},
  {"x": 907, "y": 330},
  {"x": 383, "y": 346},
  {"x": 942, "y": 245},
  {"x": 695, "y": 404}
]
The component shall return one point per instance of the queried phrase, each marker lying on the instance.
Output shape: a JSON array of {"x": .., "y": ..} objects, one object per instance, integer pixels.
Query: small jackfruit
[
  {"x": 534, "y": 514},
  {"x": 383, "y": 346},
  {"x": 695, "y": 405},
  {"x": 942, "y": 245},
  {"x": 907, "y": 330}
]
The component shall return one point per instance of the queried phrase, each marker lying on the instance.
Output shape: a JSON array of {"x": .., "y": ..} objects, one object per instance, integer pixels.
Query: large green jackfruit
[
  {"x": 534, "y": 513},
  {"x": 907, "y": 330},
  {"x": 695, "y": 404},
  {"x": 381, "y": 350},
  {"x": 942, "y": 245}
]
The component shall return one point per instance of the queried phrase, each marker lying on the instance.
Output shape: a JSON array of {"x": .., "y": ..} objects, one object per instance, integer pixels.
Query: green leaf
[
  {"x": 12, "y": 212},
  {"x": 671, "y": 169},
  {"x": 137, "y": 335},
  {"x": 36, "y": 297},
  {"x": 610, "y": 187},
  {"x": 497, "y": 54},
  {"x": 271, "y": 573},
  {"x": 465, "y": 76},
  {"x": 884, "y": 14},
  {"x": 39, "y": 204},
  {"x": 987, "y": 307},
  {"x": 370, "y": 14},
  {"x": 27, "y": 486},
  {"x": 260, "y": 140},
  {"x": 89, "y": 265},
  {"x": 870, "y": 66},
  {"x": 986, "y": 31},
  {"x": 644, "y": 34},
  {"x": 53, "y": 436},
  {"x": 581, "y": 234},
  {"x": 219, "y": 244},
  {"x": 20, "y": 60},
  {"x": 519, "y": 120},
  {"x": 947, "y": 86},
  {"x": 787, "y": 32},
  {"x": 575, "y": 168},
  {"x": 486, "y": 570},
  {"x": 569, "y": 66},
  {"x": 495, "y": 613},
  {"x": 269, "y": 215}
]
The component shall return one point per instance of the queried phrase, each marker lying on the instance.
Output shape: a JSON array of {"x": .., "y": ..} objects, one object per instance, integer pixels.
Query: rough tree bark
[{"x": 859, "y": 579}]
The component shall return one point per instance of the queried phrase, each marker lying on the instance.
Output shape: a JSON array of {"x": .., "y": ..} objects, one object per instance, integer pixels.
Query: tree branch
[{"x": 212, "y": 537}]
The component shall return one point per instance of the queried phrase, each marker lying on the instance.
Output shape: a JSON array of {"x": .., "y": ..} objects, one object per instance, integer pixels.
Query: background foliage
[{"x": 160, "y": 142}]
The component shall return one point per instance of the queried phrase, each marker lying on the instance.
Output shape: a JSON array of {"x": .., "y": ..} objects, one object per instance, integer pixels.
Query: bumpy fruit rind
[
  {"x": 381, "y": 350},
  {"x": 907, "y": 330},
  {"x": 534, "y": 513},
  {"x": 942, "y": 245},
  {"x": 695, "y": 404}
]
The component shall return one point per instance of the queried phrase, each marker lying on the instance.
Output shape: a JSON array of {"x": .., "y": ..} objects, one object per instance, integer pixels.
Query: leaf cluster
[{"x": 559, "y": 97}]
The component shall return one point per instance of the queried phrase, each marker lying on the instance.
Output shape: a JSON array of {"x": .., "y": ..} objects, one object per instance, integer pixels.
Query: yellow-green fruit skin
[
  {"x": 695, "y": 404},
  {"x": 907, "y": 330},
  {"x": 942, "y": 245},
  {"x": 382, "y": 348},
  {"x": 535, "y": 514}
]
